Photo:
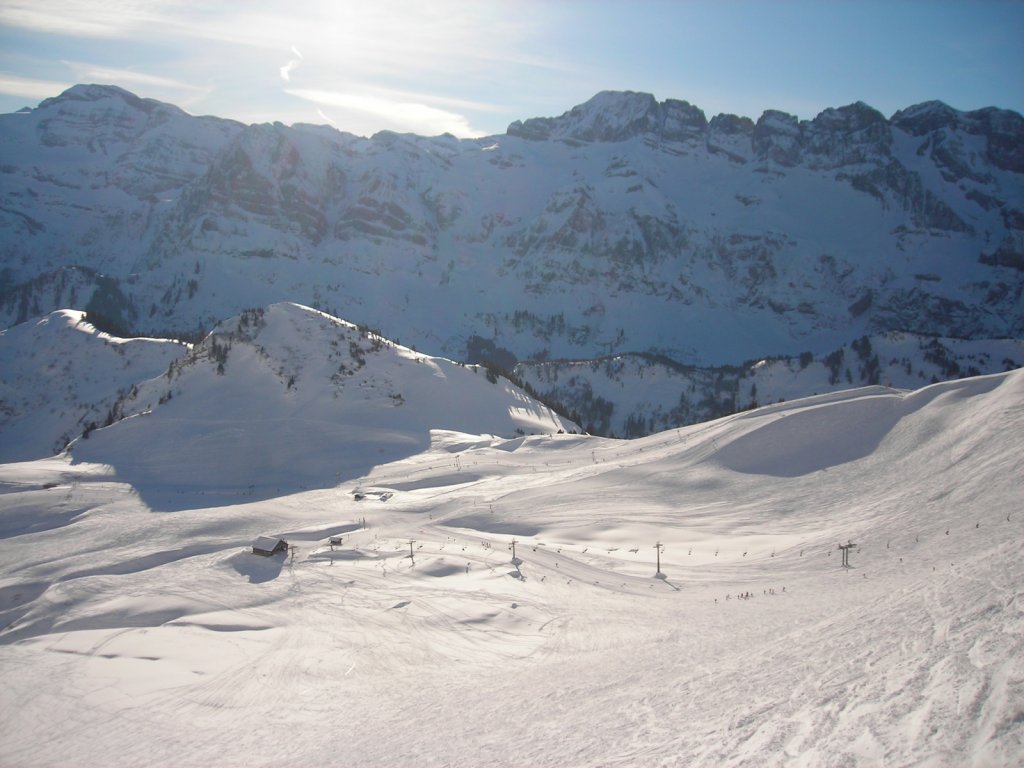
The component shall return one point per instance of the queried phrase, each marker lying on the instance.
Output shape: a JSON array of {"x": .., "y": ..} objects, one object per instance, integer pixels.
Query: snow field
[{"x": 137, "y": 636}]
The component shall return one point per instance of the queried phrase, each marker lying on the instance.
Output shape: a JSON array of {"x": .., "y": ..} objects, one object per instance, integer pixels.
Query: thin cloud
[
  {"x": 286, "y": 70},
  {"x": 391, "y": 94},
  {"x": 31, "y": 88},
  {"x": 386, "y": 37},
  {"x": 79, "y": 19},
  {"x": 401, "y": 115},
  {"x": 112, "y": 75},
  {"x": 389, "y": 53}
]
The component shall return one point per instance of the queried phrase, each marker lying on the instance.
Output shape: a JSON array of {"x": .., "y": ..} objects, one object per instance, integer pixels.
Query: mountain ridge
[
  {"x": 626, "y": 225},
  {"x": 264, "y": 383}
]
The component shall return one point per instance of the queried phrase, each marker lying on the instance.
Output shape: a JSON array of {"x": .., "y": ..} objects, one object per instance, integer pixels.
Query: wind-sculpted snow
[
  {"x": 401, "y": 627},
  {"x": 798, "y": 443}
]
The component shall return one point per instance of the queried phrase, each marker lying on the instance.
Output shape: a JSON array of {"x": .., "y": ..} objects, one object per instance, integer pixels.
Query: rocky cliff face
[
  {"x": 626, "y": 224},
  {"x": 612, "y": 116}
]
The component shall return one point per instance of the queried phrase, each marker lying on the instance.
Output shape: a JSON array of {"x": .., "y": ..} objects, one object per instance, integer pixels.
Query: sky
[{"x": 471, "y": 68}]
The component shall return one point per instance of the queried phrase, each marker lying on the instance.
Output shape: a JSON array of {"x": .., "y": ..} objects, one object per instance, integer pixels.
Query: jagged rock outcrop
[{"x": 611, "y": 116}]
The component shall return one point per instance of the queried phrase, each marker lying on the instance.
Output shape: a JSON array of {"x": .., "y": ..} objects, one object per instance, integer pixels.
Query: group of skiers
[{"x": 750, "y": 595}]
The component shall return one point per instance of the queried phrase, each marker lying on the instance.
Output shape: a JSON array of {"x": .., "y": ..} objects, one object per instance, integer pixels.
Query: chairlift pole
[
  {"x": 515, "y": 560},
  {"x": 845, "y": 549},
  {"x": 657, "y": 548}
]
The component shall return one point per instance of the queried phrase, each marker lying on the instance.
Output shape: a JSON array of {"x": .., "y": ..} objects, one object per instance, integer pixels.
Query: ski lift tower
[
  {"x": 515, "y": 560},
  {"x": 845, "y": 549}
]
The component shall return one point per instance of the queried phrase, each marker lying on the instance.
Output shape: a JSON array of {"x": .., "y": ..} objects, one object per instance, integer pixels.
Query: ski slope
[{"x": 144, "y": 634}]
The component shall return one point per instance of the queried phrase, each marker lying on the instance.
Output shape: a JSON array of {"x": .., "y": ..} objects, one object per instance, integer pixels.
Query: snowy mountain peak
[
  {"x": 852, "y": 119},
  {"x": 729, "y": 124},
  {"x": 613, "y": 116},
  {"x": 1002, "y": 129},
  {"x": 776, "y": 136},
  {"x": 932, "y": 116},
  {"x": 93, "y": 92},
  {"x": 837, "y": 137},
  {"x": 926, "y": 117}
]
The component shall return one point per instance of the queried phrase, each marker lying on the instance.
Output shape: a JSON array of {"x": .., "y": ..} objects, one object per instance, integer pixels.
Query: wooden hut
[{"x": 269, "y": 545}]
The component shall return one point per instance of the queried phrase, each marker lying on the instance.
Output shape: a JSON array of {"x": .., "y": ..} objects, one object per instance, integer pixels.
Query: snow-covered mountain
[
  {"x": 60, "y": 377},
  {"x": 267, "y": 384},
  {"x": 625, "y": 225},
  {"x": 138, "y": 627},
  {"x": 632, "y": 395},
  {"x": 676, "y": 599}
]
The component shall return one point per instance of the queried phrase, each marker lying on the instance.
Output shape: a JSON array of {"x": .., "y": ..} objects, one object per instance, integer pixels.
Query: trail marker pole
[
  {"x": 658, "y": 547},
  {"x": 411, "y": 556}
]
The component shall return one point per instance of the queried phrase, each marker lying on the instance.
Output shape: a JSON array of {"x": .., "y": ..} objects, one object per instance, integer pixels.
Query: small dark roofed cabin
[{"x": 268, "y": 545}]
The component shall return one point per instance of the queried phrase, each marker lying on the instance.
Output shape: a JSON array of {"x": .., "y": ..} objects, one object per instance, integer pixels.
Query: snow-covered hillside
[
  {"x": 142, "y": 634},
  {"x": 625, "y": 225},
  {"x": 634, "y": 395},
  {"x": 266, "y": 385},
  {"x": 59, "y": 377},
  {"x": 283, "y": 368}
]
